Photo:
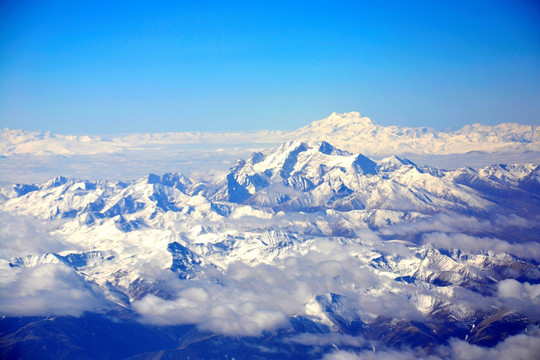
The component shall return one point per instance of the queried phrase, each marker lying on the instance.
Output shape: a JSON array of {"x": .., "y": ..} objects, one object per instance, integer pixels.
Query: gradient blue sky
[{"x": 151, "y": 66}]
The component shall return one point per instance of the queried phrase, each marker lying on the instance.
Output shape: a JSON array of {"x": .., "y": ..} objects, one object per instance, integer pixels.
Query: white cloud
[
  {"x": 24, "y": 235},
  {"x": 214, "y": 309},
  {"x": 523, "y": 297},
  {"x": 446, "y": 231},
  {"x": 405, "y": 354},
  {"x": 33, "y": 157},
  {"x": 441, "y": 223},
  {"x": 18, "y": 142},
  {"x": 46, "y": 289},
  {"x": 525, "y": 346}
]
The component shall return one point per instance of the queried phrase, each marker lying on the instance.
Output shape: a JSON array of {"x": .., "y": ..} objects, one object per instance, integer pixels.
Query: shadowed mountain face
[{"x": 303, "y": 251}]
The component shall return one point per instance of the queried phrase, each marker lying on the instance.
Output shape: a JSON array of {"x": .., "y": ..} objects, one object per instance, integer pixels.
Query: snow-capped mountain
[
  {"x": 303, "y": 177},
  {"x": 297, "y": 244},
  {"x": 356, "y": 133}
]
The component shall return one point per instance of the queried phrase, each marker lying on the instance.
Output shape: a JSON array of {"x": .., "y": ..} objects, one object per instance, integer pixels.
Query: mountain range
[
  {"x": 309, "y": 249},
  {"x": 349, "y": 131}
]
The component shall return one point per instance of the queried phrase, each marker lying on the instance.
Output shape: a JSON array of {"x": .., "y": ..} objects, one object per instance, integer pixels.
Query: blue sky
[{"x": 151, "y": 66}]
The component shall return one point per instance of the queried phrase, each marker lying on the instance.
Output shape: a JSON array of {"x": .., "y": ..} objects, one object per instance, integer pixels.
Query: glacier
[{"x": 307, "y": 249}]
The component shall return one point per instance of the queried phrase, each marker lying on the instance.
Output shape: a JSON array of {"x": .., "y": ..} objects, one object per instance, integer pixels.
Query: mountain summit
[{"x": 338, "y": 123}]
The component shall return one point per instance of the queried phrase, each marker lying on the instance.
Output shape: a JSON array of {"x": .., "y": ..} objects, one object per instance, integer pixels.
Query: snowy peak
[
  {"x": 364, "y": 165},
  {"x": 328, "y": 149},
  {"x": 175, "y": 180},
  {"x": 296, "y": 174},
  {"x": 293, "y": 160},
  {"x": 57, "y": 181},
  {"x": 338, "y": 123},
  {"x": 392, "y": 163},
  {"x": 312, "y": 161}
]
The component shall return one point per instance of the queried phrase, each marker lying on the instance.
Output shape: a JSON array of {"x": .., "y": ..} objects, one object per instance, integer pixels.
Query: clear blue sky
[{"x": 149, "y": 66}]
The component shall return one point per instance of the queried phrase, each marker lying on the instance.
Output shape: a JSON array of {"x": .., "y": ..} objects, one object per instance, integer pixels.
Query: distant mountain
[
  {"x": 355, "y": 133},
  {"x": 348, "y": 131}
]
